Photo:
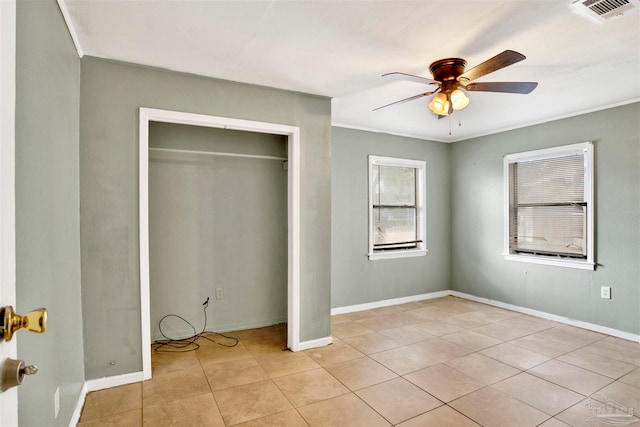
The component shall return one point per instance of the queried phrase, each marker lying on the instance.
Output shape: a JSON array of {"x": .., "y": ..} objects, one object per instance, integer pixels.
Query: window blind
[{"x": 548, "y": 207}]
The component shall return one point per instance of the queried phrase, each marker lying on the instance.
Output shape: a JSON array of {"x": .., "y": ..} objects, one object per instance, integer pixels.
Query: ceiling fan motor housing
[{"x": 447, "y": 71}]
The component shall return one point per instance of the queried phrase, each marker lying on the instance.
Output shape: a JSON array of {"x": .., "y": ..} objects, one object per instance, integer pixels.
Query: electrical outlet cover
[{"x": 56, "y": 402}]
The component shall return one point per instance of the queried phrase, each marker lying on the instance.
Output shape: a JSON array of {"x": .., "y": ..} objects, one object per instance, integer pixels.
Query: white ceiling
[{"x": 341, "y": 48}]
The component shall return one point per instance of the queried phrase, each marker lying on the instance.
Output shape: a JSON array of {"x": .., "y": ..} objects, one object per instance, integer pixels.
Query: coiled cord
[{"x": 170, "y": 345}]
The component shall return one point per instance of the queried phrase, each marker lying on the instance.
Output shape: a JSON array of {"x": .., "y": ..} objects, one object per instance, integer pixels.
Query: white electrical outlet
[
  {"x": 605, "y": 292},
  {"x": 56, "y": 402},
  {"x": 219, "y": 293}
]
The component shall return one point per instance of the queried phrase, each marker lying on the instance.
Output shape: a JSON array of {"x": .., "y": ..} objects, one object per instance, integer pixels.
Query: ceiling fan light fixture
[
  {"x": 454, "y": 81},
  {"x": 459, "y": 100},
  {"x": 439, "y": 105}
]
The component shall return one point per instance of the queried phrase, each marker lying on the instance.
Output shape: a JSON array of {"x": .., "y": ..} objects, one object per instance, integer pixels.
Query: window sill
[
  {"x": 397, "y": 254},
  {"x": 582, "y": 265}
]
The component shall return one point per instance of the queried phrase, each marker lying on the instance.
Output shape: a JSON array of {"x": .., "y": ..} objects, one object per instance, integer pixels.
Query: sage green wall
[
  {"x": 216, "y": 222},
  {"x": 355, "y": 279},
  {"x": 111, "y": 95},
  {"x": 48, "y": 211},
  {"x": 478, "y": 267}
]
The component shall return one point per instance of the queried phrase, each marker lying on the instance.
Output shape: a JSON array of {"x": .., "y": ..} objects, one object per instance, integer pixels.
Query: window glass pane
[
  {"x": 394, "y": 186},
  {"x": 394, "y": 225},
  {"x": 396, "y": 222},
  {"x": 550, "y": 229}
]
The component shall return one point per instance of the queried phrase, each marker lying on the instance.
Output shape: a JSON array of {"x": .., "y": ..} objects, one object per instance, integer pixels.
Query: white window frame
[
  {"x": 421, "y": 224},
  {"x": 584, "y": 148}
]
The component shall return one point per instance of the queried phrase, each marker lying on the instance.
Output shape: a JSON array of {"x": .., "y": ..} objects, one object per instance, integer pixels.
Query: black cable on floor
[{"x": 170, "y": 345}]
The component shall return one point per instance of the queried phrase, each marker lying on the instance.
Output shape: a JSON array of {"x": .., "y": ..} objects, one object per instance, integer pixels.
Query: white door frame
[
  {"x": 293, "y": 210},
  {"x": 9, "y": 398}
]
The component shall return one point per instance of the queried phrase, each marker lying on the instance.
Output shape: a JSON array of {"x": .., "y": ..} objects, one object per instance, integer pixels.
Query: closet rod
[{"x": 215, "y": 153}]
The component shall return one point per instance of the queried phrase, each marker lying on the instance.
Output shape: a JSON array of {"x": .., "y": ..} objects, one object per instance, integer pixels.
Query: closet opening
[{"x": 219, "y": 219}]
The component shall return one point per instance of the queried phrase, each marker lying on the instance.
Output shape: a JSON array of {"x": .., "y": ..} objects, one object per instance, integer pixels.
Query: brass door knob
[{"x": 10, "y": 322}]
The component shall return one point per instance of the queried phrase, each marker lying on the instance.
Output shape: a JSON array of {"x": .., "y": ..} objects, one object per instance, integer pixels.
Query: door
[{"x": 8, "y": 399}]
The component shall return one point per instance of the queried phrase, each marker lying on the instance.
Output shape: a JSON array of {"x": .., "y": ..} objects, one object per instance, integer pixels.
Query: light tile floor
[{"x": 442, "y": 362}]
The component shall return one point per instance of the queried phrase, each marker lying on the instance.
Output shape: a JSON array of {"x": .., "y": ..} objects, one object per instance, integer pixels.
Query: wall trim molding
[
  {"x": 101, "y": 384},
  {"x": 320, "y": 342},
  {"x": 493, "y": 132},
  {"x": 556, "y": 318},
  {"x": 220, "y": 329},
  {"x": 75, "y": 417},
  {"x": 388, "y": 302},
  {"x": 524, "y": 310},
  {"x": 71, "y": 27},
  {"x": 147, "y": 115},
  {"x": 115, "y": 381}
]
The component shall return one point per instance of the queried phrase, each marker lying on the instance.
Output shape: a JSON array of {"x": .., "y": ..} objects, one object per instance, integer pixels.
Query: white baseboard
[
  {"x": 320, "y": 342},
  {"x": 240, "y": 326},
  {"x": 388, "y": 302},
  {"x": 560, "y": 319},
  {"x": 75, "y": 417},
  {"x": 439, "y": 294},
  {"x": 100, "y": 384},
  {"x": 115, "y": 381}
]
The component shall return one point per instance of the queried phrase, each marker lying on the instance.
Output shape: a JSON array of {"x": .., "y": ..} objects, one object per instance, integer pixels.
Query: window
[
  {"x": 396, "y": 207},
  {"x": 549, "y": 206}
]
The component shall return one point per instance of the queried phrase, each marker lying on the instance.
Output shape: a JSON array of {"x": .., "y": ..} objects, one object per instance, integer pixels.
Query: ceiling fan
[{"x": 450, "y": 76}]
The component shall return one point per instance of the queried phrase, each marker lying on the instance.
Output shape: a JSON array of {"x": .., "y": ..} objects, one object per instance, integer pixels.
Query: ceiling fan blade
[
  {"x": 501, "y": 60},
  {"x": 411, "y": 98},
  {"x": 410, "y": 77},
  {"x": 506, "y": 87}
]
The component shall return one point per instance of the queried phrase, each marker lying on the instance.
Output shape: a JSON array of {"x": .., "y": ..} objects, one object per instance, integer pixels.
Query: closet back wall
[{"x": 216, "y": 221}]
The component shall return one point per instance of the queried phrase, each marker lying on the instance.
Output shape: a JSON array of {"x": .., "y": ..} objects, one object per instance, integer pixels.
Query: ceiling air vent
[{"x": 606, "y": 10}]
